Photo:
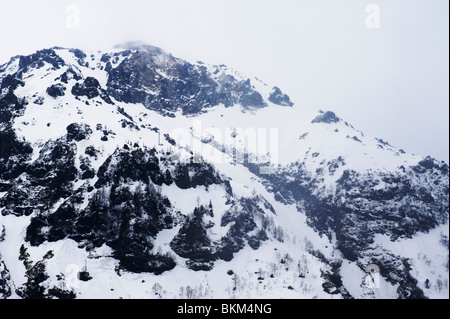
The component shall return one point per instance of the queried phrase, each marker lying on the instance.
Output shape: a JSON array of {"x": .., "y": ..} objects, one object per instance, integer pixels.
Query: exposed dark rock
[
  {"x": 241, "y": 216},
  {"x": 78, "y": 132},
  {"x": 50, "y": 178},
  {"x": 136, "y": 165},
  {"x": 125, "y": 220},
  {"x": 84, "y": 276},
  {"x": 429, "y": 164},
  {"x": 169, "y": 139},
  {"x": 360, "y": 209},
  {"x": 193, "y": 242},
  {"x": 105, "y": 58},
  {"x": 14, "y": 155},
  {"x": 80, "y": 55},
  {"x": 279, "y": 98},
  {"x": 202, "y": 175},
  {"x": 10, "y": 105},
  {"x": 11, "y": 82},
  {"x": 56, "y": 90},
  {"x": 39, "y": 100},
  {"x": 91, "y": 151},
  {"x": 69, "y": 75},
  {"x": 38, "y": 60},
  {"x": 91, "y": 88},
  {"x": 396, "y": 270},
  {"x": 10, "y": 145},
  {"x": 327, "y": 117},
  {"x": 5, "y": 280},
  {"x": 188, "y": 87}
]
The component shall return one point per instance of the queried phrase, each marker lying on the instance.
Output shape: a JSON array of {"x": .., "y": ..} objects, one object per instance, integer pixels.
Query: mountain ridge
[{"x": 101, "y": 160}]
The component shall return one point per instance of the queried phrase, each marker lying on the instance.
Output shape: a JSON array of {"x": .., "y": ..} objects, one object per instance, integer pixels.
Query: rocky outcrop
[
  {"x": 192, "y": 241},
  {"x": 398, "y": 204},
  {"x": 5, "y": 280},
  {"x": 78, "y": 132},
  {"x": 37, "y": 60},
  {"x": 91, "y": 88},
  {"x": 326, "y": 117},
  {"x": 56, "y": 90},
  {"x": 279, "y": 98},
  {"x": 162, "y": 82}
]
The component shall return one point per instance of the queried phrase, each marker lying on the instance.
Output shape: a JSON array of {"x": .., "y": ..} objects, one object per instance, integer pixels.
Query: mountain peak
[{"x": 138, "y": 45}]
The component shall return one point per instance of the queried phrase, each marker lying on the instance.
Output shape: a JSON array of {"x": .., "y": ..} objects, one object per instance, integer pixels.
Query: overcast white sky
[{"x": 390, "y": 82}]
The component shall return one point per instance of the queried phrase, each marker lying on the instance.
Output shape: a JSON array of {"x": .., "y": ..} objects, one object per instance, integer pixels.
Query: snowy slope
[{"x": 278, "y": 222}]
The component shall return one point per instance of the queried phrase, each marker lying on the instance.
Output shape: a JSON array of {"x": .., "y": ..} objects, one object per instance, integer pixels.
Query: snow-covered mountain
[{"x": 136, "y": 174}]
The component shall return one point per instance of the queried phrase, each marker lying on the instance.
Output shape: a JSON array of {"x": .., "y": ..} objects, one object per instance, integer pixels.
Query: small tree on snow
[
  {"x": 279, "y": 234},
  {"x": 157, "y": 288},
  {"x": 439, "y": 284},
  {"x": 301, "y": 270},
  {"x": 2, "y": 234},
  {"x": 274, "y": 268},
  {"x": 61, "y": 278},
  {"x": 260, "y": 274},
  {"x": 235, "y": 281},
  {"x": 181, "y": 292},
  {"x": 189, "y": 292}
]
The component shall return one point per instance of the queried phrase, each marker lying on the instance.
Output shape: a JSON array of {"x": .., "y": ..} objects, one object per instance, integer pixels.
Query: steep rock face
[
  {"x": 162, "y": 82},
  {"x": 49, "y": 179},
  {"x": 5, "y": 280},
  {"x": 81, "y": 56},
  {"x": 56, "y": 90},
  {"x": 10, "y": 105},
  {"x": 125, "y": 212},
  {"x": 13, "y": 152},
  {"x": 90, "y": 88},
  {"x": 5, "y": 277},
  {"x": 246, "y": 222},
  {"x": 124, "y": 219},
  {"x": 195, "y": 174},
  {"x": 279, "y": 98},
  {"x": 396, "y": 270},
  {"x": 141, "y": 165},
  {"x": 326, "y": 117},
  {"x": 69, "y": 75},
  {"x": 78, "y": 132},
  {"x": 37, "y": 60},
  {"x": 242, "y": 217},
  {"x": 396, "y": 204},
  {"x": 192, "y": 241}
]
